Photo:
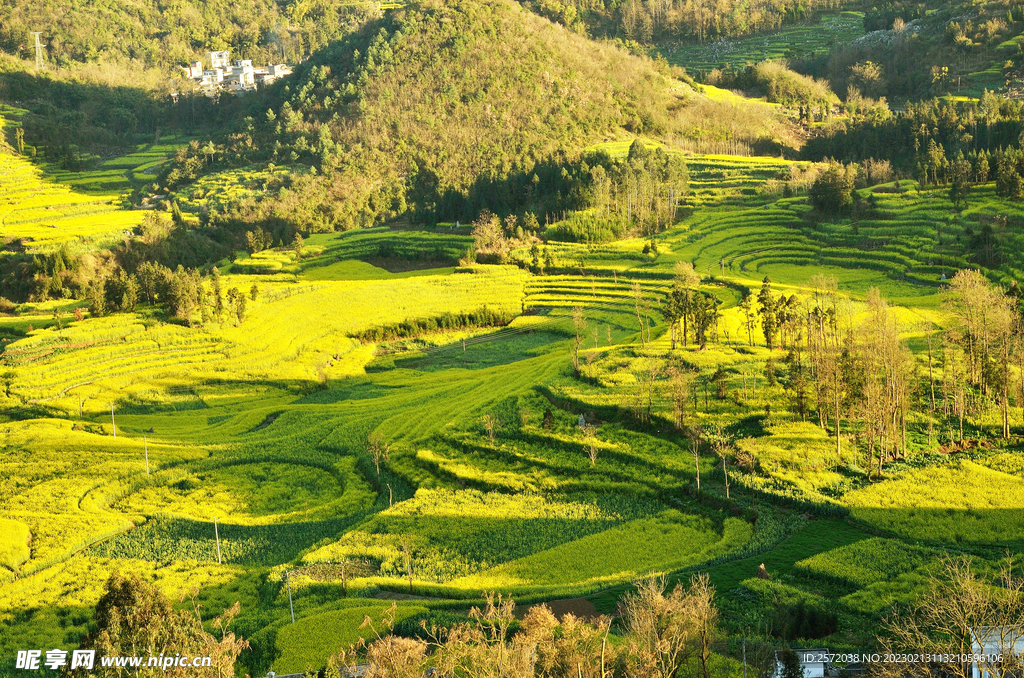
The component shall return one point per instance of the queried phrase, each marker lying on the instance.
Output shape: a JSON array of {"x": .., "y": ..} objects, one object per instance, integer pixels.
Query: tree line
[
  {"x": 482, "y": 317},
  {"x": 647, "y": 21},
  {"x": 182, "y": 293},
  {"x": 919, "y": 140}
]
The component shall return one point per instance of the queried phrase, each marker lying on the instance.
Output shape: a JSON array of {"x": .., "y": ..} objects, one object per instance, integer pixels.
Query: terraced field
[
  {"x": 797, "y": 40},
  {"x": 46, "y": 206},
  {"x": 293, "y": 331},
  {"x": 345, "y": 474},
  {"x": 40, "y": 213}
]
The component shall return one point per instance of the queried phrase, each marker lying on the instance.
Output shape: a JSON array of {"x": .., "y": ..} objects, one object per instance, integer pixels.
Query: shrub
[{"x": 831, "y": 191}]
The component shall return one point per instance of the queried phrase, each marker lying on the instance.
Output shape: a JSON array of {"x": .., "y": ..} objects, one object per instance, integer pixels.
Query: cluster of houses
[{"x": 238, "y": 77}]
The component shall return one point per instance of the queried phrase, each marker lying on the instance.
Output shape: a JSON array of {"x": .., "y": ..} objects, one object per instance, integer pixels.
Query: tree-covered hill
[{"x": 420, "y": 106}]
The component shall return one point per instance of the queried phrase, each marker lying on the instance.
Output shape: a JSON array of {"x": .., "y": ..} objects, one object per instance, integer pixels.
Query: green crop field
[{"x": 685, "y": 363}]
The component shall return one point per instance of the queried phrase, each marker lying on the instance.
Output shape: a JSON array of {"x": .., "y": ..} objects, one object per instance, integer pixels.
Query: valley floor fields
[{"x": 548, "y": 436}]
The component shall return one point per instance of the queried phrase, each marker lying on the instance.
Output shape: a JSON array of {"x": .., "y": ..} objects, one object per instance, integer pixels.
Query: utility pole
[
  {"x": 744, "y": 658},
  {"x": 288, "y": 577},
  {"x": 112, "y": 424},
  {"x": 39, "y": 50},
  {"x": 144, "y": 442},
  {"x": 216, "y": 535}
]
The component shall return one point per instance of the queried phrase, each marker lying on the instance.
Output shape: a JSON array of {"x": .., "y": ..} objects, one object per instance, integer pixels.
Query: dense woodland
[{"x": 914, "y": 50}]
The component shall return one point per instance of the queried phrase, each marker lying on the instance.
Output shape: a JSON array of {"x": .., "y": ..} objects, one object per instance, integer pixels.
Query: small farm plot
[
  {"x": 667, "y": 541},
  {"x": 791, "y": 41},
  {"x": 963, "y": 502},
  {"x": 867, "y": 562}
]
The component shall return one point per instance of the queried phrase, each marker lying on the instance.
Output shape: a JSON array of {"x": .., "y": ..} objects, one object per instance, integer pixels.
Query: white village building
[
  {"x": 237, "y": 78},
  {"x": 1001, "y": 641}
]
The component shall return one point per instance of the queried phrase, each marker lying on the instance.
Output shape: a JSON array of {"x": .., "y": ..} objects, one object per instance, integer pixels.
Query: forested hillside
[
  {"x": 139, "y": 35},
  {"x": 436, "y": 103},
  {"x": 914, "y": 50}
]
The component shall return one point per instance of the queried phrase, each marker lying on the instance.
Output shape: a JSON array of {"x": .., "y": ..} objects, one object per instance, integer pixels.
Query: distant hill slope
[{"x": 422, "y": 104}]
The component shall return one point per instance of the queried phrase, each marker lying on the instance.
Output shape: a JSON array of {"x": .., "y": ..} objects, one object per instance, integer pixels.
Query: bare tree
[
  {"x": 667, "y": 630},
  {"x": 579, "y": 323},
  {"x": 490, "y": 425},
  {"x": 887, "y": 366},
  {"x": 378, "y": 449},
  {"x": 590, "y": 359},
  {"x": 571, "y": 647},
  {"x": 407, "y": 555},
  {"x": 986, "y": 329},
  {"x": 679, "y": 383},
  {"x": 486, "y": 648},
  {"x": 959, "y": 610},
  {"x": 639, "y": 305},
  {"x": 828, "y": 344},
  {"x": 591, "y": 443},
  {"x": 722, "y": 445},
  {"x": 384, "y": 656},
  {"x": 694, "y": 434}
]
